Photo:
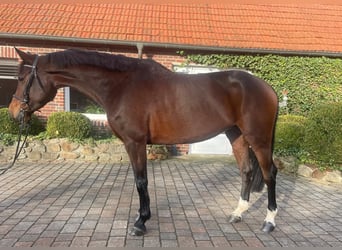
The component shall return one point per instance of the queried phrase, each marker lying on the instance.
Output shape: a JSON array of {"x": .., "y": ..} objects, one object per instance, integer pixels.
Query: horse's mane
[{"x": 75, "y": 57}]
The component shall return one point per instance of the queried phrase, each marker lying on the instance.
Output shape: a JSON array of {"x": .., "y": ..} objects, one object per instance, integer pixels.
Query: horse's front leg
[{"x": 137, "y": 155}]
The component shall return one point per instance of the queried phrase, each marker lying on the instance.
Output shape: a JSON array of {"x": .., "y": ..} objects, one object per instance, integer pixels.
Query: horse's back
[{"x": 190, "y": 108}]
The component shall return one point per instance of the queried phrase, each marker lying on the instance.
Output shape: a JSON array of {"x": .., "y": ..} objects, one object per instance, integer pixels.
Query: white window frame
[{"x": 92, "y": 117}]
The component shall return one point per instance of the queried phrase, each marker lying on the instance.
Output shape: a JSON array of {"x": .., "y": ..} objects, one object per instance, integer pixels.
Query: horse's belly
[{"x": 187, "y": 131}]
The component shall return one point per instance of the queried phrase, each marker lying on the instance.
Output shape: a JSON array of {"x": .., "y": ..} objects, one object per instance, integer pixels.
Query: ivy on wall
[{"x": 307, "y": 80}]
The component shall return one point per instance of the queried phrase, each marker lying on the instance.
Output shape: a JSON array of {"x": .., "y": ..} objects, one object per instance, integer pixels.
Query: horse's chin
[{"x": 27, "y": 117}]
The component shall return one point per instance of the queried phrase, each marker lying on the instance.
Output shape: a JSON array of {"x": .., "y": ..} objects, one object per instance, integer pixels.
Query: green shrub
[
  {"x": 323, "y": 136},
  {"x": 9, "y": 126},
  {"x": 288, "y": 135},
  {"x": 93, "y": 109},
  {"x": 292, "y": 118},
  {"x": 68, "y": 124},
  {"x": 36, "y": 126}
]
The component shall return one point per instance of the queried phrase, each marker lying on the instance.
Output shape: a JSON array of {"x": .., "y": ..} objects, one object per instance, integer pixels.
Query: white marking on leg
[
  {"x": 270, "y": 216},
  {"x": 242, "y": 207}
]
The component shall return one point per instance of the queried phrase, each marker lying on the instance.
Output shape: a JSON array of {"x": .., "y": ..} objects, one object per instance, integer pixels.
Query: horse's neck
[{"x": 87, "y": 82}]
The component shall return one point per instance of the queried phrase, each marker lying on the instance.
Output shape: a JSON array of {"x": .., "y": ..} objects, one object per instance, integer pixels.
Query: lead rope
[{"x": 19, "y": 147}]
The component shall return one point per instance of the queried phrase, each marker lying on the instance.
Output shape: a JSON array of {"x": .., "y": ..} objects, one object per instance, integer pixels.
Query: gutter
[{"x": 15, "y": 39}]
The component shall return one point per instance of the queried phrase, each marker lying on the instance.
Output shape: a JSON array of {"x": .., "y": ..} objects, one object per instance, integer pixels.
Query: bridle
[
  {"x": 24, "y": 127},
  {"x": 26, "y": 95}
]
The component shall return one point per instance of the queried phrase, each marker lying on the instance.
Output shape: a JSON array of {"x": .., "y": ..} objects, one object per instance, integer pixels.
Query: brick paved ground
[{"x": 90, "y": 204}]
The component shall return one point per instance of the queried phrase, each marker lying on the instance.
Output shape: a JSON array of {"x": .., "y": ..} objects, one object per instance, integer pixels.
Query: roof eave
[{"x": 52, "y": 41}]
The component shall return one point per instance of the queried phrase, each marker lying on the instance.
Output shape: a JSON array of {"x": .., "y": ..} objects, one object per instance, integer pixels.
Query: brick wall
[
  {"x": 58, "y": 104},
  {"x": 9, "y": 51},
  {"x": 54, "y": 106}
]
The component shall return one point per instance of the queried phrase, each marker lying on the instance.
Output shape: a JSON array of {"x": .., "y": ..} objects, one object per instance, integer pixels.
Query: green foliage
[
  {"x": 9, "y": 126},
  {"x": 288, "y": 135},
  {"x": 323, "y": 136},
  {"x": 68, "y": 124},
  {"x": 292, "y": 118},
  {"x": 308, "y": 80},
  {"x": 36, "y": 126},
  {"x": 93, "y": 109},
  {"x": 7, "y": 139}
]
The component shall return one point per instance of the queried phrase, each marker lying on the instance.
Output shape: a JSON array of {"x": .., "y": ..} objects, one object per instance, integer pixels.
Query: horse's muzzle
[{"x": 18, "y": 111}]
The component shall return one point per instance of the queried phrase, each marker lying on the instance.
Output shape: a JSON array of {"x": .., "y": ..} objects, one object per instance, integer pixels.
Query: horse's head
[{"x": 34, "y": 89}]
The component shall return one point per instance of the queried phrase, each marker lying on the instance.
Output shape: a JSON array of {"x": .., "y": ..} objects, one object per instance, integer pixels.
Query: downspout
[{"x": 140, "y": 47}]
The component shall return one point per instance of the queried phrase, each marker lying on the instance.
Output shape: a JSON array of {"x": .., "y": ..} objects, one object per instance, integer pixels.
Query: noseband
[{"x": 24, "y": 107}]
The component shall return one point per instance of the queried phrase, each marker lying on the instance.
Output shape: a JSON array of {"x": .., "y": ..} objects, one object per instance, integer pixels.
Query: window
[
  {"x": 81, "y": 103},
  {"x": 193, "y": 69},
  {"x": 7, "y": 89},
  {"x": 8, "y": 80},
  {"x": 78, "y": 102}
]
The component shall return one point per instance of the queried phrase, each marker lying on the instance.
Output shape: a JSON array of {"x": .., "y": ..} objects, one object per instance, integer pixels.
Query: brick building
[{"x": 160, "y": 32}]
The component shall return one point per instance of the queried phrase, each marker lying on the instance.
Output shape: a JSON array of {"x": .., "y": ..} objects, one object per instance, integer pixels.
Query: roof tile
[{"x": 285, "y": 27}]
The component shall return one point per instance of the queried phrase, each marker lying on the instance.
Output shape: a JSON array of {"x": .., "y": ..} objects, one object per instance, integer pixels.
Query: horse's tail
[
  {"x": 257, "y": 178},
  {"x": 258, "y": 182}
]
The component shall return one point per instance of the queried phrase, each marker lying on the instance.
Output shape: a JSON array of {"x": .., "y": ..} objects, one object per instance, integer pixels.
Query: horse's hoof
[
  {"x": 234, "y": 219},
  {"x": 267, "y": 227},
  {"x": 137, "y": 231}
]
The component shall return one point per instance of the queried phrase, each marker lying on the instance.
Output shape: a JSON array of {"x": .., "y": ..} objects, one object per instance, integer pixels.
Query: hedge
[
  {"x": 323, "y": 136},
  {"x": 288, "y": 135}
]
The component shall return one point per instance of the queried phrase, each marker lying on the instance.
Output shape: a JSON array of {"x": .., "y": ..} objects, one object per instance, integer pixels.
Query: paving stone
[
  {"x": 80, "y": 241},
  {"x": 70, "y": 228},
  {"x": 61, "y": 244},
  {"x": 103, "y": 227},
  {"x": 185, "y": 242},
  {"x": 219, "y": 241},
  {"x": 116, "y": 242},
  {"x": 43, "y": 242},
  {"x": 23, "y": 244},
  {"x": 66, "y": 203}
]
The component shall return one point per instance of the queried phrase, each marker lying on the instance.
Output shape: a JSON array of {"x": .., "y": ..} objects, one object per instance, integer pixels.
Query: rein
[{"x": 23, "y": 127}]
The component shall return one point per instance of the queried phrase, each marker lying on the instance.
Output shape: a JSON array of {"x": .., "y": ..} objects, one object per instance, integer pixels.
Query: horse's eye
[{"x": 20, "y": 78}]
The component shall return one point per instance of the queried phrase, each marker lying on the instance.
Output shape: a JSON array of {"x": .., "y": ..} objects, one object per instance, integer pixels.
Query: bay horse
[{"x": 146, "y": 103}]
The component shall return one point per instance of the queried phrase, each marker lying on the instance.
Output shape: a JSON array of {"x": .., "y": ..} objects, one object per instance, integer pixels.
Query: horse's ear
[{"x": 27, "y": 58}]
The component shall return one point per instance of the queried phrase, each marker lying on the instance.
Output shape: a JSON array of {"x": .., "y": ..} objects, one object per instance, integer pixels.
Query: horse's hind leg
[
  {"x": 270, "y": 173},
  {"x": 263, "y": 152},
  {"x": 241, "y": 153}
]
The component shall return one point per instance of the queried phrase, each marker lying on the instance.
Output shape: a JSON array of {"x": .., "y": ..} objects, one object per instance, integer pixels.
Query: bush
[
  {"x": 36, "y": 126},
  {"x": 68, "y": 124},
  {"x": 9, "y": 126},
  {"x": 323, "y": 136},
  {"x": 288, "y": 135},
  {"x": 292, "y": 118}
]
